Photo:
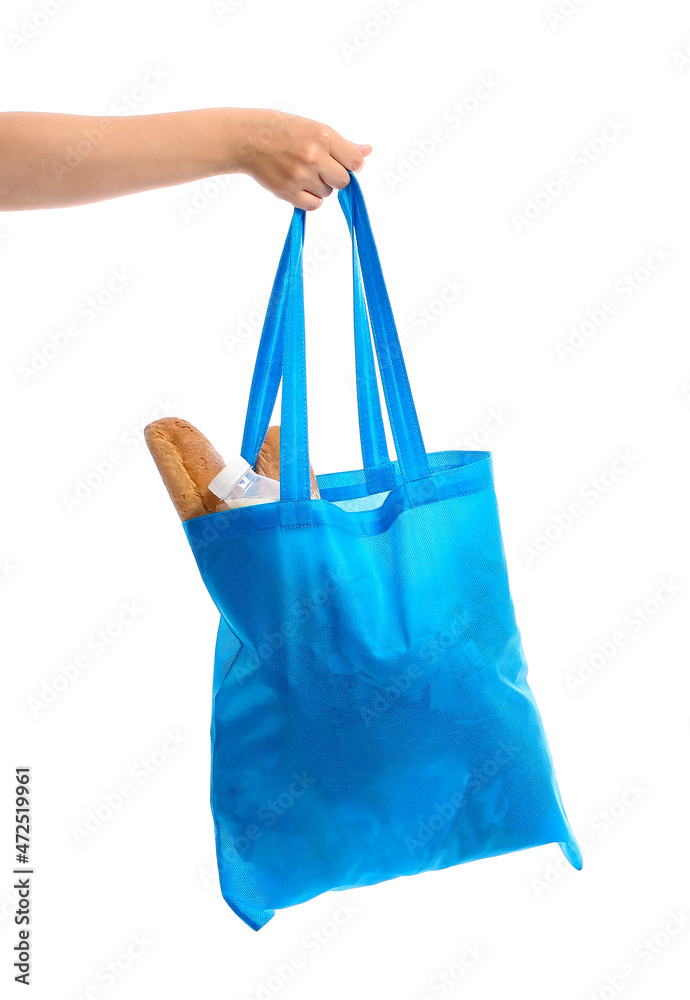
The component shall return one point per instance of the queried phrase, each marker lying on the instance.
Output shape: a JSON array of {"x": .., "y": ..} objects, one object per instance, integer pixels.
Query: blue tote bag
[{"x": 371, "y": 713}]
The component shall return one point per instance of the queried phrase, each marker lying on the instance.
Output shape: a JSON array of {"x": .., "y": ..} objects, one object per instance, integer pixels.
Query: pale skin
[{"x": 55, "y": 160}]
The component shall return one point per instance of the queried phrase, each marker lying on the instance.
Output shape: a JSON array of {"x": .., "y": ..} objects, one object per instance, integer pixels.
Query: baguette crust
[{"x": 187, "y": 462}]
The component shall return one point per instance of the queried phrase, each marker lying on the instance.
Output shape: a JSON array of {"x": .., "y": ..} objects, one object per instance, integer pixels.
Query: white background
[{"x": 542, "y": 931}]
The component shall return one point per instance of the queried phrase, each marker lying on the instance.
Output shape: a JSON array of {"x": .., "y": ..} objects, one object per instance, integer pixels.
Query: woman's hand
[{"x": 297, "y": 159}]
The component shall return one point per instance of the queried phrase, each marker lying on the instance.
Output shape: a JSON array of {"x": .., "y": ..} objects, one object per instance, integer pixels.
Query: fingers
[
  {"x": 334, "y": 174},
  {"x": 347, "y": 154},
  {"x": 307, "y": 201},
  {"x": 364, "y": 148},
  {"x": 317, "y": 185}
]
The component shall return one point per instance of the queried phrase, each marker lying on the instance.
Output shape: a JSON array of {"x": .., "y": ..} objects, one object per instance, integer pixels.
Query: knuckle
[{"x": 312, "y": 153}]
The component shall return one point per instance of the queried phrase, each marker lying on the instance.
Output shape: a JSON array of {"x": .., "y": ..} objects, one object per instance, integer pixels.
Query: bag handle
[
  {"x": 267, "y": 368},
  {"x": 402, "y": 414},
  {"x": 375, "y": 458},
  {"x": 283, "y": 336},
  {"x": 268, "y": 372}
]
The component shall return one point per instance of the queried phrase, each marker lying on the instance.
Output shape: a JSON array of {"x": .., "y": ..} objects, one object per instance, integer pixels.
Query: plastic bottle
[{"x": 237, "y": 485}]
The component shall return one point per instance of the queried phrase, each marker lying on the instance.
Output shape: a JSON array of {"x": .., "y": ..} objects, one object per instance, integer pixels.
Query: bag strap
[
  {"x": 378, "y": 470},
  {"x": 372, "y": 434},
  {"x": 402, "y": 414},
  {"x": 295, "y": 481},
  {"x": 282, "y": 340},
  {"x": 268, "y": 367},
  {"x": 268, "y": 372}
]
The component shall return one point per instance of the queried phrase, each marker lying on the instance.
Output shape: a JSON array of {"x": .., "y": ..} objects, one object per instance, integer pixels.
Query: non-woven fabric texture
[{"x": 371, "y": 711}]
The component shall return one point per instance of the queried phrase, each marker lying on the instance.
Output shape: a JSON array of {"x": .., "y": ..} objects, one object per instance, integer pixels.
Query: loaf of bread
[
  {"x": 187, "y": 462},
  {"x": 268, "y": 462}
]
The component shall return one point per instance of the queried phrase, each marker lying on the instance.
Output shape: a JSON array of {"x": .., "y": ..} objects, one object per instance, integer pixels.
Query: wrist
[{"x": 245, "y": 132}]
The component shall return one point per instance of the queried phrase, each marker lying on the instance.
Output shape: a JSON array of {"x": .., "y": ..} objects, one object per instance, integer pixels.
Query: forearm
[{"x": 54, "y": 160}]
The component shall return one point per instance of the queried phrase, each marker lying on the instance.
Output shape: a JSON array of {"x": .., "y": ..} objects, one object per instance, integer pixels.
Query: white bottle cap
[{"x": 227, "y": 477}]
